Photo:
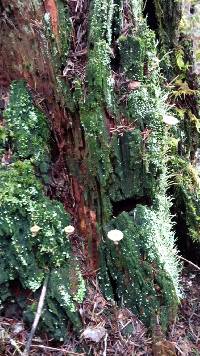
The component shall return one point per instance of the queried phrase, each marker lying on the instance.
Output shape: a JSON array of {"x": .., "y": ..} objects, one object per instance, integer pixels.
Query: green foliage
[{"x": 27, "y": 256}]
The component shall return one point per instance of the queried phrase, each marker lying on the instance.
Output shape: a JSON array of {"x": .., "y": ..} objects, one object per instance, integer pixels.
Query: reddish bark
[
  {"x": 24, "y": 56},
  {"x": 51, "y": 8}
]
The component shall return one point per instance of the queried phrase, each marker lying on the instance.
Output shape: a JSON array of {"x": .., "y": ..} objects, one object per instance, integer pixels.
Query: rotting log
[{"x": 92, "y": 69}]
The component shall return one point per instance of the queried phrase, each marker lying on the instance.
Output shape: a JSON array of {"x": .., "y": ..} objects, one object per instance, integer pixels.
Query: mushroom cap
[
  {"x": 115, "y": 235},
  {"x": 69, "y": 229},
  {"x": 35, "y": 229},
  {"x": 170, "y": 120}
]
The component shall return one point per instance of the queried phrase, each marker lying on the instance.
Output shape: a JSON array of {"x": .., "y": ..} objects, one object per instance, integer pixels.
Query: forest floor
[{"x": 116, "y": 330}]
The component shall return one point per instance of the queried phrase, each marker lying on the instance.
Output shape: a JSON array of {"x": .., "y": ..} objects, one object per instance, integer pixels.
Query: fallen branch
[
  {"x": 37, "y": 317},
  {"x": 191, "y": 263}
]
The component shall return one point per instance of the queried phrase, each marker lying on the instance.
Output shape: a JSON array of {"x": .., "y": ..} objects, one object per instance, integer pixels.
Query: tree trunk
[{"x": 90, "y": 70}]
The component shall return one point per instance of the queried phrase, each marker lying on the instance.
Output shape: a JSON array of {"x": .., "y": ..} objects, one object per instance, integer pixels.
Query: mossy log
[{"x": 84, "y": 126}]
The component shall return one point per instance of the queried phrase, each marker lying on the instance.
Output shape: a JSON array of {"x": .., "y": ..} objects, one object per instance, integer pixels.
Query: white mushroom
[
  {"x": 170, "y": 120},
  {"x": 35, "y": 229},
  {"x": 115, "y": 236},
  {"x": 69, "y": 229}
]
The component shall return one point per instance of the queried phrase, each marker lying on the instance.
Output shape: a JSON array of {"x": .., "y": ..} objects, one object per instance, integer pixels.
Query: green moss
[
  {"x": 65, "y": 29},
  {"x": 186, "y": 194},
  {"x": 168, "y": 17},
  {"x": 185, "y": 138},
  {"x": 136, "y": 8},
  {"x": 100, "y": 81},
  {"x": 127, "y": 157},
  {"x": 25, "y": 256},
  {"x": 26, "y": 126},
  {"x": 98, "y": 144},
  {"x": 101, "y": 20},
  {"x": 132, "y": 56},
  {"x": 117, "y": 18},
  {"x": 143, "y": 268},
  {"x": 58, "y": 46}
]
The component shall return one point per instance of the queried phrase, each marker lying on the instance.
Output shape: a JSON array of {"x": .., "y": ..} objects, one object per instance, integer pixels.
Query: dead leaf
[{"x": 94, "y": 333}]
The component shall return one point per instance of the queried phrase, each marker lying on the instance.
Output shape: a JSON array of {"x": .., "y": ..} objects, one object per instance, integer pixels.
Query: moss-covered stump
[
  {"x": 93, "y": 67},
  {"x": 143, "y": 267},
  {"x": 33, "y": 242}
]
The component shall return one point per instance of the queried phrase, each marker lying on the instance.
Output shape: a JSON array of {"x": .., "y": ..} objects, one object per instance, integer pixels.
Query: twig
[
  {"x": 191, "y": 263},
  {"x": 181, "y": 352},
  {"x": 144, "y": 5},
  {"x": 105, "y": 345},
  {"x": 37, "y": 316},
  {"x": 66, "y": 352},
  {"x": 14, "y": 344}
]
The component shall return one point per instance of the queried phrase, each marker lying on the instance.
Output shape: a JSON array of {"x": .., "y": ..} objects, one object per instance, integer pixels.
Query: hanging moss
[{"x": 28, "y": 257}]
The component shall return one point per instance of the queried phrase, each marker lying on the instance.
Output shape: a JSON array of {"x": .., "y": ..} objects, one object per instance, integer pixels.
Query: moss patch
[
  {"x": 143, "y": 268},
  {"x": 25, "y": 256}
]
